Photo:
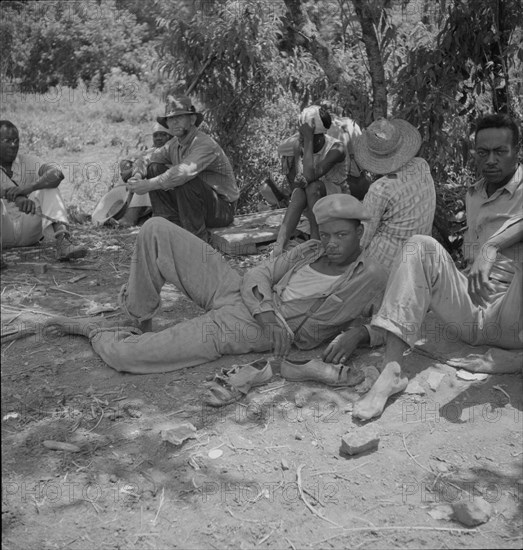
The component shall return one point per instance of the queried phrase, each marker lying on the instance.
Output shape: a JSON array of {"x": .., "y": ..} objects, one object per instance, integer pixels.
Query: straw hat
[
  {"x": 112, "y": 205},
  {"x": 386, "y": 145},
  {"x": 338, "y": 205},
  {"x": 176, "y": 106}
]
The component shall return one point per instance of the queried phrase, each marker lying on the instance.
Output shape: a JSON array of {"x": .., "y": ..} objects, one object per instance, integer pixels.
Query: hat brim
[
  {"x": 163, "y": 119},
  {"x": 410, "y": 144},
  {"x": 111, "y": 204}
]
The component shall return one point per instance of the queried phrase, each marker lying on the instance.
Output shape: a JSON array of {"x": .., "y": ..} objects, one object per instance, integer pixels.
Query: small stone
[
  {"x": 472, "y": 512},
  {"x": 113, "y": 478},
  {"x": 414, "y": 388},
  {"x": 359, "y": 441},
  {"x": 178, "y": 434},
  {"x": 299, "y": 437},
  {"x": 284, "y": 464},
  {"x": 434, "y": 379}
]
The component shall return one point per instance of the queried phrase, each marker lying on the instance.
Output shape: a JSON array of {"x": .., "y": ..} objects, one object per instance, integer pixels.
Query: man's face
[
  {"x": 496, "y": 157},
  {"x": 160, "y": 138},
  {"x": 180, "y": 125},
  {"x": 341, "y": 239},
  {"x": 9, "y": 143}
]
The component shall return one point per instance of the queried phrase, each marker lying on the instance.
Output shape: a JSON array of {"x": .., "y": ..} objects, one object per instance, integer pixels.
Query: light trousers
[
  {"x": 425, "y": 277},
  {"x": 165, "y": 252}
]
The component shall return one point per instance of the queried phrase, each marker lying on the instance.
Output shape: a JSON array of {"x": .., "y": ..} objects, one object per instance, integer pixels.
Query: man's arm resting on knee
[{"x": 509, "y": 234}]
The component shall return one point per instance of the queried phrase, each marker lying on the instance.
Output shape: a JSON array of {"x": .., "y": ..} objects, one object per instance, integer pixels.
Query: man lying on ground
[
  {"x": 31, "y": 201},
  {"x": 485, "y": 301},
  {"x": 190, "y": 180},
  {"x": 305, "y": 296}
]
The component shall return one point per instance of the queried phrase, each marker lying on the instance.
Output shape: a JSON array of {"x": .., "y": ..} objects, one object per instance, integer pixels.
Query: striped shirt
[{"x": 401, "y": 204}]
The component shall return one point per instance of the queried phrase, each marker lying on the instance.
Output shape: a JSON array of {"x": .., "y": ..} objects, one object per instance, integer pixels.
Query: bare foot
[
  {"x": 83, "y": 326},
  {"x": 390, "y": 381}
]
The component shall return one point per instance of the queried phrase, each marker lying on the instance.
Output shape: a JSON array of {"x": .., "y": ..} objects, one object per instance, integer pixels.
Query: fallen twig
[
  {"x": 499, "y": 388},
  {"x": 307, "y": 503},
  {"x": 162, "y": 498},
  {"x": 17, "y": 334},
  {"x": 68, "y": 292},
  {"x": 242, "y": 519}
]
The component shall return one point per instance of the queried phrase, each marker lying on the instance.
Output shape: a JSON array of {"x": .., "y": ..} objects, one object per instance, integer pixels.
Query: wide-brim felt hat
[
  {"x": 386, "y": 145},
  {"x": 176, "y": 106},
  {"x": 111, "y": 205},
  {"x": 339, "y": 206}
]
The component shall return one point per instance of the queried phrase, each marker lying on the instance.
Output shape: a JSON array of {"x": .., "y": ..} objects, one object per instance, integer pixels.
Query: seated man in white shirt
[{"x": 31, "y": 202}]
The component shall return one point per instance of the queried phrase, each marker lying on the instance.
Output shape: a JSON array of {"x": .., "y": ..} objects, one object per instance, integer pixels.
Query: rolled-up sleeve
[{"x": 201, "y": 155}]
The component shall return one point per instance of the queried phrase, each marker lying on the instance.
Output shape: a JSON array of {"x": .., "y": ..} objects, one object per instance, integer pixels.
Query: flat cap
[{"x": 333, "y": 207}]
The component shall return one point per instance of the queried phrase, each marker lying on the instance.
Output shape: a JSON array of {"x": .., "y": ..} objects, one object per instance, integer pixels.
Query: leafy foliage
[{"x": 68, "y": 42}]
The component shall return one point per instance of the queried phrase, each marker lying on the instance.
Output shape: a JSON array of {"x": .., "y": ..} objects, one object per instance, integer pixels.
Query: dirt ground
[{"x": 279, "y": 482}]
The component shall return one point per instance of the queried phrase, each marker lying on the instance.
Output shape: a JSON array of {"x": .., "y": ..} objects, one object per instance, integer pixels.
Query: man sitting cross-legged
[
  {"x": 485, "y": 303},
  {"x": 305, "y": 296}
]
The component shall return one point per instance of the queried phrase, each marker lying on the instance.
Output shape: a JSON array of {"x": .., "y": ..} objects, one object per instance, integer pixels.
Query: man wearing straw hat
[
  {"x": 190, "y": 181},
  {"x": 402, "y": 202},
  {"x": 483, "y": 303},
  {"x": 32, "y": 205}
]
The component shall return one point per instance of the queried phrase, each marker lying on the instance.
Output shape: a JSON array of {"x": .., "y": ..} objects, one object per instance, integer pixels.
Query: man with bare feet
[
  {"x": 299, "y": 298},
  {"x": 485, "y": 301}
]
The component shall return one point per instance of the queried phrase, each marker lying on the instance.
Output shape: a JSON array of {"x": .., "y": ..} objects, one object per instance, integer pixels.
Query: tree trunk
[
  {"x": 377, "y": 72},
  {"x": 307, "y": 36}
]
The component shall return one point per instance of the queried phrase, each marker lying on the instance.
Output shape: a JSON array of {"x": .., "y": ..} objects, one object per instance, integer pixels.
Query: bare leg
[
  {"x": 291, "y": 219},
  {"x": 315, "y": 191},
  {"x": 390, "y": 381}
]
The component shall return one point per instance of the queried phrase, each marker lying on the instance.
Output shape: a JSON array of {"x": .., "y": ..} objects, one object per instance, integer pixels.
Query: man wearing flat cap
[
  {"x": 304, "y": 297},
  {"x": 190, "y": 180}
]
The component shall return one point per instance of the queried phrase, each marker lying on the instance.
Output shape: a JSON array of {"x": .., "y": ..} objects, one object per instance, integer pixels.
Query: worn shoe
[
  {"x": 231, "y": 384},
  {"x": 66, "y": 250},
  {"x": 315, "y": 370}
]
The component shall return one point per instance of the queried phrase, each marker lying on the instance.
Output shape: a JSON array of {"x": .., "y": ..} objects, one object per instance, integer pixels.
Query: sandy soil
[{"x": 280, "y": 481}]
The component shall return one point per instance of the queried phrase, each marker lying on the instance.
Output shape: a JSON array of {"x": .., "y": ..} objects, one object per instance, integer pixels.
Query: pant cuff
[{"x": 122, "y": 297}]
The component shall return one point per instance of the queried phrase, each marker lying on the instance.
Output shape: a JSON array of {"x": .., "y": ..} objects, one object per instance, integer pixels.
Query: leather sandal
[
  {"x": 231, "y": 384},
  {"x": 315, "y": 370}
]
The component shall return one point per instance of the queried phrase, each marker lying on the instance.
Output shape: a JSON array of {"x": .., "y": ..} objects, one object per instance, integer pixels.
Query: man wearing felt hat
[
  {"x": 121, "y": 205},
  {"x": 190, "y": 181},
  {"x": 303, "y": 297},
  {"x": 402, "y": 202}
]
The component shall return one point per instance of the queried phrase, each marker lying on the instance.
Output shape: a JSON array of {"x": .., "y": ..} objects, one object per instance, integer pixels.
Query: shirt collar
[
  {"x": 188, "y": 137},
  {"x": 511, "y": 186}
]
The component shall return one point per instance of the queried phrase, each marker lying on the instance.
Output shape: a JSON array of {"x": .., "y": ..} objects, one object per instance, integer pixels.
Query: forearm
[
  {"x": 308, "y": 165},
  {"x": 50, "y": 179},
  {"x": 510, "y": 233}
]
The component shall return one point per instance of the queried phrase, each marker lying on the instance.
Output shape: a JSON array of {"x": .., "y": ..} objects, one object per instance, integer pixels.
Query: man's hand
[
  {"x": 14, "y": 192},
  {"x": 300, "y": 181},
  {"x": 343, "y": 346},
  {"x": 138, "y": 185},
  {"x": 280, "y": 337},
  {"x": 479, "y": 286},
  {"x": 25, "y": 205}
]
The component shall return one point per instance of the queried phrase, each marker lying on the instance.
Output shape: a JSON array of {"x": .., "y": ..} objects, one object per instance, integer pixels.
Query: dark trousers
[{"x": 194, "y": 206}]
